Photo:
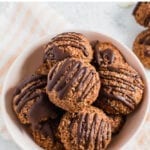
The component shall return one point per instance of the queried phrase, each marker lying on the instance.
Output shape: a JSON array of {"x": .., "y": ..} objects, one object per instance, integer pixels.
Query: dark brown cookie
[
  {"x": 73, "y": 84},
  {"x": 45, "y": 135},
  {"x": 106, "y": 54},
  {"x": 88, "y": 129},
  {"x": 31, "y": 103},
  {"x": 121, "y": 91},
  {"x": 68, "y": 44},
  {"x": 141, "y": 47},
  {"x": 142, "y": 13},
  {"x": 117, "y": 122}
]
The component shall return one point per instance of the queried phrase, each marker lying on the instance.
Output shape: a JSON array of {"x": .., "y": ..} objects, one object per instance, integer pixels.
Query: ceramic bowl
[{"x": 30, "y": 59}]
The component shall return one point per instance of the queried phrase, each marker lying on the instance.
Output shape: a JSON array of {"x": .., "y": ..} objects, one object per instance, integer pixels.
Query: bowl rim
[{"x": 40, "y": 41}]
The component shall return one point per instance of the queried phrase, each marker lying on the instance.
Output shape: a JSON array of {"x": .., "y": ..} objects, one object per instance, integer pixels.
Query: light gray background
[{"x": 108, "y": 18}]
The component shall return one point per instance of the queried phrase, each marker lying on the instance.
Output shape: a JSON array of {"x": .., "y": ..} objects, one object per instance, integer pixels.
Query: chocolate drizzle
[
  {"x": 55, "y": 53},
  {"x": 42, "y": 108},
  {"x": 26, "y": 81},
  {"x": 120, "y": 87},
  {"x": 67, "y": 74},
  {"x": 66, "y": 38},
  {"x": 28, "y": 95},
  {"x": 56, "y": 48},
  {"x": 133, "y": 74},
  {"x": 77, "y": 36},
  {"x": 92, "y": 130},
  {"x": 26, "y": 91},
  {"x": 91, "y": 134},
  {"x": 128, "y": 101},
  {"x": 104, "y": 56},
  {"x": 120, "y": 81},
  {"x": 145, "y": 40}
]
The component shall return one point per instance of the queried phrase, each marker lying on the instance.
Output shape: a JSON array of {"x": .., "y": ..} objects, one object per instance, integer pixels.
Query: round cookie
[
  {"x": 73, "y": 84},
  {"x": 141, "y": 47},
  {"x": 30, "y": 102},
  {"x": 121, "y": 91},
  {"x": 46, "y": 135},
  {"x": 68, "y": 44},
  {"x": 142, "y": 13},
  {"x": 105, "y": 54},
  {"x": 88, "y": 129},
  {"x": 117, "y": 122}
]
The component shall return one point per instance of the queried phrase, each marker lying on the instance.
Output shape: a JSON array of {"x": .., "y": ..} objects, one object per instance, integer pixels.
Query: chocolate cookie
[
  {"x": 141, "y": 47},
  {"x": 46, "y": 135},
  {"x": 106, "y": 54},
  {"x": 72, "y": 84},
  {"x": 121, "y": 91},
  {"x": 68, "y": 44},
  {"x": 117, "y": 122},
  {"x": 88, "y": 129},
  {"x": 31, "y": 103},
  {"x": 142, "y": 13}
]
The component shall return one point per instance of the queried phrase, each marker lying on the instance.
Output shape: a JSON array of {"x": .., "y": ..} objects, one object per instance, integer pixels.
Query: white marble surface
[{"x": 107, "y": 18}]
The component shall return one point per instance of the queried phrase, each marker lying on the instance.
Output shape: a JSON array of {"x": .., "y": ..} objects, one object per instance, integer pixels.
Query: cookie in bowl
[
  {"x": 73, "y": 84},
  {"x": 45, "y": 135},
  {"x": 105, "y": 54},
  {"x": 31, "y": 103},
  {"x": 88, "y": 129},
  {"x": 117, "y": 122},
  {"x": 66, "y": 45},
  {"x": 122, "y": 89}
]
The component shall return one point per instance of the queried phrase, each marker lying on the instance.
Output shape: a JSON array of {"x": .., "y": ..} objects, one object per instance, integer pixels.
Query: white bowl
[{"x": 30, "y": 59}]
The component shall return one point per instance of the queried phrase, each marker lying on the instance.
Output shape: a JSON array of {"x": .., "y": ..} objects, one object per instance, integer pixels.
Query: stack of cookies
[
  {"x": 141, "y": 45},
  {"x": 79, "y": 97}
]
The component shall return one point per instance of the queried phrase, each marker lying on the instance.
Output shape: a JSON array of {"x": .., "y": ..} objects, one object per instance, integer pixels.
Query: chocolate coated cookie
[
  {"x": 45, "y": 135},
  {"x": 106, "y": 54},
  {"x": 66, "y": 45},
  {"x": 142, "y": 13},
  {"x": 121, "y": 91},
  {"x": 88, "y": 129},
  {"x": 141, "y": 47},
  {"x": 73, "y": 84},
  {"x": 31, "y": 103}
]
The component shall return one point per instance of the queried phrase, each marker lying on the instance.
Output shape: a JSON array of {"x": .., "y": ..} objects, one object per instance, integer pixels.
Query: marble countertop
[{"x": 108, "y": 18}]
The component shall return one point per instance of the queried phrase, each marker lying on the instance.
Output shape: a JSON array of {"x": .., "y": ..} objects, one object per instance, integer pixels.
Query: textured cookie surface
[
  {"x": 142, "y": 13},
  {"x": 117, "y": 122},
  {"x": 69, "y": 44},
  {"x": 45, "y": 135},
  {"x": 88, "y": 129},
  {"x": 106, "y": 54},
  {"x": 44, "y": 68},
  {"x": 141, "y": 47},
  {"x": 121, "y": 91},
  {"x": 72, "y": 84},
  {"x": 31, "y": 103}
]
